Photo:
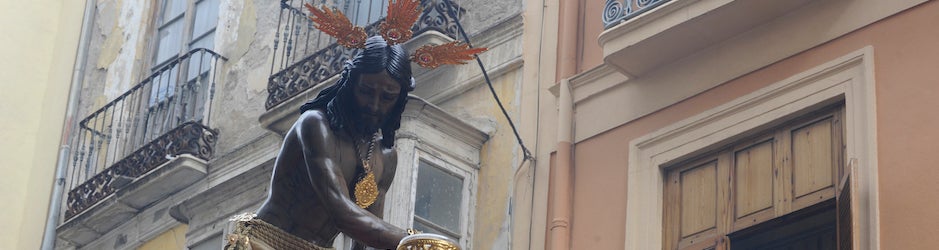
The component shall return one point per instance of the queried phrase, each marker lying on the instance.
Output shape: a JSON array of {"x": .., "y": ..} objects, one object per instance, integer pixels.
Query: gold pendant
[{"x": 366, "y": 190}]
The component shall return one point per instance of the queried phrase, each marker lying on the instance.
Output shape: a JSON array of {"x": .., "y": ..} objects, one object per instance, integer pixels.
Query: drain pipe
[
  {"x": 561, "y": 175},
  {"x": 48, "y": 237}
]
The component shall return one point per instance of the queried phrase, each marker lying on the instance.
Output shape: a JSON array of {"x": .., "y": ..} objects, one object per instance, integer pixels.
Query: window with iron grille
[{"x": 182, "y": 25}]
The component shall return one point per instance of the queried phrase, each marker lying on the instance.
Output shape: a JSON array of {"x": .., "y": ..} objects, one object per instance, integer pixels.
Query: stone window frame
[
  {"x": 783, "y": 197},
  {"x": 849, "y": 78}
]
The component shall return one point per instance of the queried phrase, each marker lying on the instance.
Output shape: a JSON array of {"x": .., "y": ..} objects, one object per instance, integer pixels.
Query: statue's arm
[
  {"x": 330, "y": 187},
  {"x": 388, "y": 174},
  {"x": 377, "y": 209}
]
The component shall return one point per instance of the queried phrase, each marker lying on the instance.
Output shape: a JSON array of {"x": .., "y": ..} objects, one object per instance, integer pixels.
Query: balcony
[
  {"x": 305, "y": 60},
  {"x": 149, "y": 142},
  {"x": 643, "y": 35}
]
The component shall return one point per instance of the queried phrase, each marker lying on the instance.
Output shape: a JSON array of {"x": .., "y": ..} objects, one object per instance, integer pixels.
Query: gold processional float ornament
[{"x": 427, "y": 241}]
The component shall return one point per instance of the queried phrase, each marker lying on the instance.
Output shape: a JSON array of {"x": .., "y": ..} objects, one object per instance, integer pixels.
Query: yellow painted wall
[
  {"x": 171, "y": 239},
  {"x": 496, "y": 159},
  {"x": 38, "y": 46}
]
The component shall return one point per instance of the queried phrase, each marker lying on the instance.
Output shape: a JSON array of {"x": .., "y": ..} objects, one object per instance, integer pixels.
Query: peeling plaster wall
[
  {"x": 122, "y": 44},
  {"x": 245, "y": 35},
  {"x": 116, "y": 51}
]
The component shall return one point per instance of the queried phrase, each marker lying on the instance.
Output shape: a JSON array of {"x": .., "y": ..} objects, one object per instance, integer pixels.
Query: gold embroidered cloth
[{"x": 250, "y": 233}]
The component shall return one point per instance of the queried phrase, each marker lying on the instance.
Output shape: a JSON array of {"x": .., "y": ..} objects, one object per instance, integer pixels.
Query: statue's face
[{"x": 375, "y": 96}]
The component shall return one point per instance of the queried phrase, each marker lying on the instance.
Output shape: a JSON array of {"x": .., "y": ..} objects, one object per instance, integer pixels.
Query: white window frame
[
  {"x": 849, "y": 78},
  {"x": 401, "y": 197},
  {"x": 468, "y": 199},
  {"x": 430, "y": 134}
]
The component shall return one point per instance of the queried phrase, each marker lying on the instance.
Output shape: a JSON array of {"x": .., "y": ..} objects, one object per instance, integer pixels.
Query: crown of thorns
[{"x": 395, "y": 29}]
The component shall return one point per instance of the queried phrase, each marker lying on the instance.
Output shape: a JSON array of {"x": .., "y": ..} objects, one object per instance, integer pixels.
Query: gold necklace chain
[
  {"x": 368, "y": 155},
  {"x": 366, "y": 188}
]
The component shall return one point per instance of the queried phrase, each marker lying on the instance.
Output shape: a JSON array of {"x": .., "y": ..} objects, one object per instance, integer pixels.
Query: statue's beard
[{"x": 366, "y": 125}]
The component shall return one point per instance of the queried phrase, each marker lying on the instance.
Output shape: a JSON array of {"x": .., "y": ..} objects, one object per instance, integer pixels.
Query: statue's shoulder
[
  {"x": 313, "y": 114},
  {"x": 313, "y": 117},
  {"x": 311, "y": 123}
]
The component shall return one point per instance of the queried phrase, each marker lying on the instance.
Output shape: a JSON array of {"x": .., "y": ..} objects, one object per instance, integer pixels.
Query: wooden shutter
[
  {"x": 845, "y": 200},
  {"x": 695, "y": 205}
]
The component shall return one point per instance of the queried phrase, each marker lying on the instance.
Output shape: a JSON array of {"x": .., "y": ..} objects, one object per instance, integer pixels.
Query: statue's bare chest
[{"x": 353, "y": 163}]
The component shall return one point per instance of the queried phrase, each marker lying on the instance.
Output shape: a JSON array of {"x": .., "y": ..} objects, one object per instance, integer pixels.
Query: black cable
[{"x": 452, "y": 13}]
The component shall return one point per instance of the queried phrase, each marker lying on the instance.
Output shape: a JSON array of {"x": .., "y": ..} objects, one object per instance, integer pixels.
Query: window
[
  {"x": 365, "y": 12},
  {"x": 180, "y": 76},
  {"x": 438, "y": 202},
  {"x": 182, "y": 28},
  {"x": 436, "y": 179},
  {"x": 437, "y": 196},
  {"x": 183, "y": 25},
  {"x": 778, "y": 179}
]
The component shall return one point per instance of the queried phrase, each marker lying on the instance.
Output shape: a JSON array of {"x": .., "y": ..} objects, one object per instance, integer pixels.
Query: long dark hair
[{"x": 337, "y": 100}]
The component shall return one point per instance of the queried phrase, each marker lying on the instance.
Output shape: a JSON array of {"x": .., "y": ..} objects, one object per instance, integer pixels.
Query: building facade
[
  {"x": 740, "y": 124},
  {"x": 659, "y": 124},
  {"x": 184, "y": 105}
]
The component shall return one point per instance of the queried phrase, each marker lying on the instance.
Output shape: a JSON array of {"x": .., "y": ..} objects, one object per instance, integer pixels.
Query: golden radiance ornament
[
  {"x": 455, "y": 52},
  {"x": 334, "y": 23},
  {"x": 401, "y": 16},
  {"x": 366, "y": 190},
  {"x": 395, "y": 29}
]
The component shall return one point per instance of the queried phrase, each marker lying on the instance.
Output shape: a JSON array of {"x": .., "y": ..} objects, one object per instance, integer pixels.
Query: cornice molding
[{"x": 422, "y": 121}]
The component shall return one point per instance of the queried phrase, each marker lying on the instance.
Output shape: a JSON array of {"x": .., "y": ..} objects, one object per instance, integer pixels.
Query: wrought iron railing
[
  {"x": 304, "y": 56},
  {"x": 617, "y": 11},
  {"x": 164, "y": 115}
]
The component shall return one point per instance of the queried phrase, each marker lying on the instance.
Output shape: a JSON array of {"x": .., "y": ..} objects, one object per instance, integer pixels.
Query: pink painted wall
[
  {"x": 906, "y": 58},
  {"x": 591, "y": 54}
]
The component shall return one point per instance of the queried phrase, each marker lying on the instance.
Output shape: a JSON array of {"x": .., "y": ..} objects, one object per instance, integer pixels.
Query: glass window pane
[
  {"x": 169, "y": 43},
  {"x": 173, "y": 9},
  {"x": 201, "y": 62},
  {"x": 206, "y": 18},
  {"x": 439, "y": 196},
  {"x": 163, "y": 86},
  {"x": 207, "y": 41},
  {"x": 365, "y": 12},
  {"x": 420, "y": 226}
]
